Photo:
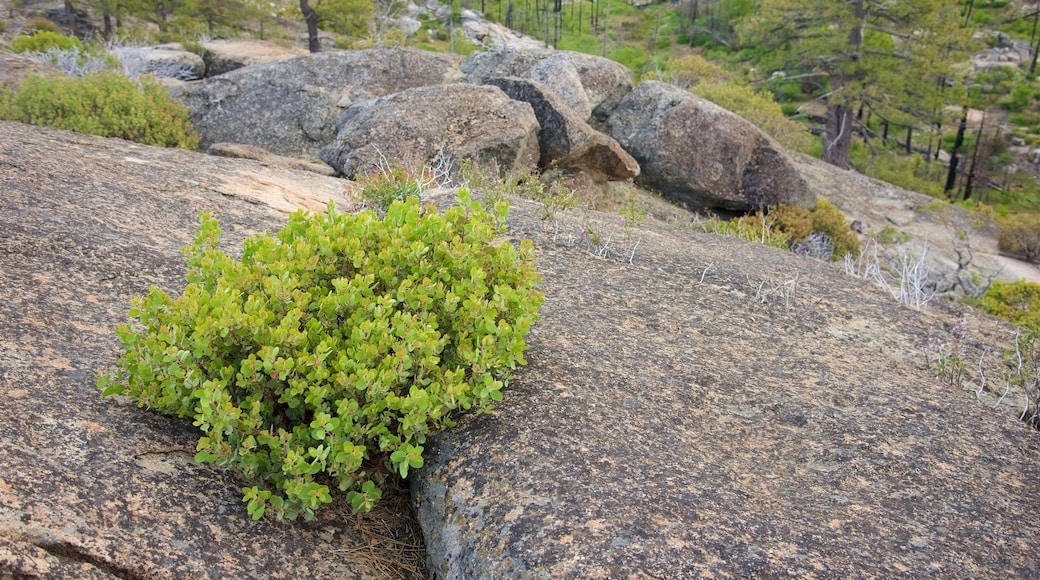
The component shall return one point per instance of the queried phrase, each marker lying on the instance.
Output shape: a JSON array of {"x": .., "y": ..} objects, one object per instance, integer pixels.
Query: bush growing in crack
[{"x": 332, "y": 350}]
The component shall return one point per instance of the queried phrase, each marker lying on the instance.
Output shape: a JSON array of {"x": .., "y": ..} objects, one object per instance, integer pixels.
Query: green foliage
[
  {"x": 347, "y": 17},
  {"x": 1018, "y": 302},
  {"x": 1019, "y": 98},
  {"x": 791, "y": 227},
  {"x": 1020, "y": 236},
  {"x": 899, "y": 73},
  {"x": 43, "y": 40},
  {"x": 907, "y": 171},
  {"x": 386, "y": 185},
  {"x": 753, "y": 228},
  {"x": 333, "y": 349},
  {"x": 105, "y": 104},
  {"x": 799, "y": 224}
]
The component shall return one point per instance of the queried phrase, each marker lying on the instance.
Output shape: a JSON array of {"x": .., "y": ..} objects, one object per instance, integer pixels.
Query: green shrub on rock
[
  {"x": 106, "y": 104},
  {"x": 330, "y": 351},
  {"x": 1018, "y": 302},
  {"x": 44, "y": 40},
  {"x": 1020, "y": 236}
]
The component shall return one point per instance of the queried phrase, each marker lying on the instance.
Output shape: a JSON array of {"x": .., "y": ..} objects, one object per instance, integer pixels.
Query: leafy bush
[
  {"x": 800, "y": 225},
  {"x": 331, "y": 351},
  {"x": 105, "y": 104},
  {"x": 1020, "y": 235},
  {"x": 753, "y": 228},
  {"x": 43, "y": 40},
  {"x": 821, "y": 232},
  {"x": 1018, "y": 302}
]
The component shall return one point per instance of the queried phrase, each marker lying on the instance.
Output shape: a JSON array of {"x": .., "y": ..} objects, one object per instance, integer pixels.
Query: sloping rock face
[
  {"x": 877, "y": 205},
  {"x": 565, "y": 140},
  {"x": 420, "y": 125},
  {"x": 704, "y": 407},
  {"x": 223, "y": 56},
  {"x": 590, "y": 85},
  {"x": 98, "y": 488},
  {"x": 701, "y": 156},
  {"x": 289, "y": 107},
  {"x": 15, "y": 67}
]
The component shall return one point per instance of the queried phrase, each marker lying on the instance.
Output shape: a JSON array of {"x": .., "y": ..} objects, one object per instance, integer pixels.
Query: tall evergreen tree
[{"x": 894, "y": 56}]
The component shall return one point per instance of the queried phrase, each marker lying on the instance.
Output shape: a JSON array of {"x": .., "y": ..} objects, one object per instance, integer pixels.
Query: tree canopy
[{"x": 896, "y": 57}]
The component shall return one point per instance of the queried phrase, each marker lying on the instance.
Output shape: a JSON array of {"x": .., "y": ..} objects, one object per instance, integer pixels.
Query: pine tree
[{"x": 895, "y": 57}]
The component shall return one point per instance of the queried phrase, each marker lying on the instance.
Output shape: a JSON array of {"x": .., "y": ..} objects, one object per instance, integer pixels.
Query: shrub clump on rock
[
  {"x": 106, "y": 104},
  {"x": 332, "y": 350},
  {"x": 1020, "y": 236}
]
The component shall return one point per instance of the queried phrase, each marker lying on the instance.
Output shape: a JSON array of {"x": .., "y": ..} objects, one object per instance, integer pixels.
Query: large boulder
[
  {"x": 222, "y": 56},
  {"x": 565, "y": 140},
  {"x": 701, "y": 156},
  {"x": 702, "y": 407},
  {"x": 290, "y": 107},
  {"x": 447, "y": 122},
  {"x": 99, "y": 488},
  {"x": 591, "y": 85},
  {"x": 168, "y": 61},
  {"x": 606, "y": 82}
]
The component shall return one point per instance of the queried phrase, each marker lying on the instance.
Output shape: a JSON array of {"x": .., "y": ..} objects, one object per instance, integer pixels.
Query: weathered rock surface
[
  {"x": 591, "y": 85},
  {"x": 908, "y": 212},
  {"x": 565, "y": 140},
  {"x": 420, "y": 125},
  {"x": 15, "y": 67},
  {"x": 497, "y": 37},
  {"x": 606, "y": 82},
  {"x": 558, "y": 72},
  {"x": 722, "y": 409},
  {"x": 223, "y": 56},
  {"x": 164, "y": 61},
  {"x": 701, "y": 156},
  {"x": 267, "y": 159},
  {"x": 93, "y": 488},
  {"x": 290, "y": 107}
]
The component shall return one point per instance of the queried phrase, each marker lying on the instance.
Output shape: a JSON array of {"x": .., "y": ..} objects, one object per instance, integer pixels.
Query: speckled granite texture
[
  {"x": 93, "y": 488},
  {"x": 709, "y": 407}
]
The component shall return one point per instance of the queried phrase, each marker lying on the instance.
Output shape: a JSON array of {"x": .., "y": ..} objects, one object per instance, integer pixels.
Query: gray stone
[
  {"x": 290, "y": 107},
  {"x": 564, "y": 139},
  {"x": 223, "y": 56},
  {"x": 701, "y": 156},
  {"x": 606, "y": 82},
  {"x": 585, "y": 83},
  {"x": 164, "y": 61},
  {"x": 424, "y": 124}
]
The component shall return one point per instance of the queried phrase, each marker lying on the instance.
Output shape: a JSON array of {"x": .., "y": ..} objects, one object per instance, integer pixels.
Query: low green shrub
[
  {"x": 1020, "y": 236},
  {"x": 330, "y": 352},
  {"x": 753, "y": 228},
  {"x": 1018, "y": 302},
  {"x": 799, "y": 224},
  {"x": 105, "y": 104},
  {"x": 44, "y": 40}
]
